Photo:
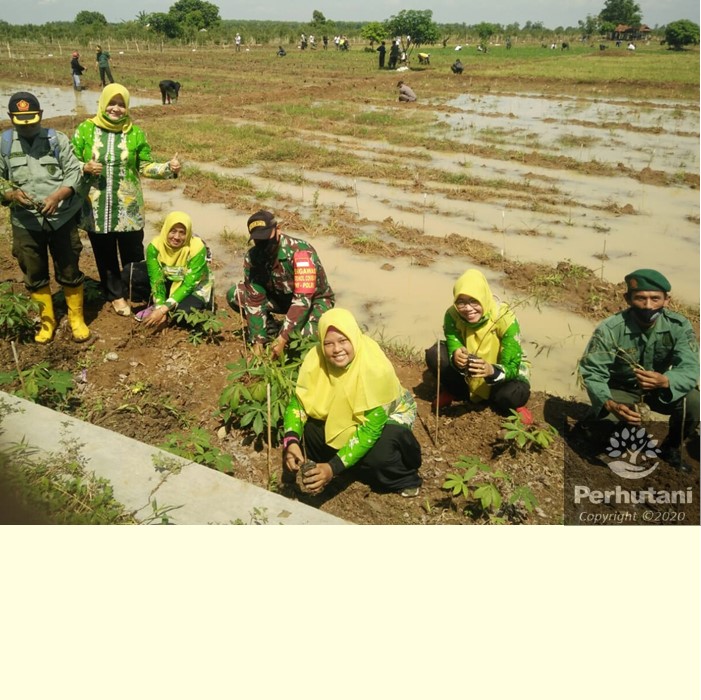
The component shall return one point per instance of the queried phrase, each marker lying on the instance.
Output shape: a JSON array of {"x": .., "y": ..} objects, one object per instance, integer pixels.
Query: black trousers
[
  {"x": 129, "y": 244},
  {"x": 392, "y": 463},
  {"x": 503, "y": 397}
]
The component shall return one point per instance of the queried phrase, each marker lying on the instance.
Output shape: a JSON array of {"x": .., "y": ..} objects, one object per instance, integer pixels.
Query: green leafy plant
[
  {"x": 244, "y": 399},
  {"x": 197, "y": 446},
  {"x": 41, "y": 384},
  {"x": 521, "y": 437},
  {"x": 57, "y": 488},
  {"x": 481, "y": 486},
  {"x": 17, "y": 313},
  {"x": 204, "y": 326}
]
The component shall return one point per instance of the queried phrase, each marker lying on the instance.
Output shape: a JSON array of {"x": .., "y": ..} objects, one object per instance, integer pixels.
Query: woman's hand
[
  {"x": 293, "y": 457},
  {"x": 157, "y": 317},
  {"x": 92, "y": 167},
  {"x": 174, "y": 164},
  {"x": 460, "y": 358},
  {"x": 480, "y": 368},
  {"x": 317, "y": 477}
]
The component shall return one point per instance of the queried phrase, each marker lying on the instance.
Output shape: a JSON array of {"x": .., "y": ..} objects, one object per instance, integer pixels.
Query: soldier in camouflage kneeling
[{"x": 282, "y": 275}]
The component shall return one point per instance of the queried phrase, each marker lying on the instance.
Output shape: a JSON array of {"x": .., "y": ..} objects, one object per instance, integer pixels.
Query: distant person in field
[
  {"x": 406, "y": 94},
  {"x": 457, "y": 67},
  {"x": 102, "y": 60},
  {"x": 281, "y": 51},
  {"x": 382, "y": 50},
  {"x": 76, "y": 70},
  {"x": 170, "y": 89},
  {"x": 393, "y": 55}
]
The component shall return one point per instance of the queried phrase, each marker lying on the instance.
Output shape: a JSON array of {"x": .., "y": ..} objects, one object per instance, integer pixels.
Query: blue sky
[{"x": 551, "y": 12}]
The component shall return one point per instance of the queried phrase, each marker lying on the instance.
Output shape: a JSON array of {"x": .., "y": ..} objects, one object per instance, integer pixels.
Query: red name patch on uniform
[{"x": 305, "y": 272}]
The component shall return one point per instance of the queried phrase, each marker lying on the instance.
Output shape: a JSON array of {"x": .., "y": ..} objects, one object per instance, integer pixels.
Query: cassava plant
[
  {"x": 481, "y": 487},
  {"x": 519, "y": 437},
  {"x": 17, "y": 314},
  {"x": 244, "y": 399}
]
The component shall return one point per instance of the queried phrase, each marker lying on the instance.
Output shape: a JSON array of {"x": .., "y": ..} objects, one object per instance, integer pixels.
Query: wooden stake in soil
[
  {"x": 19, "y": 371},
  {"x": 270, "y": 431},
  {"x": 243, "y": 327},
  {"x": 438, "y": 386}
]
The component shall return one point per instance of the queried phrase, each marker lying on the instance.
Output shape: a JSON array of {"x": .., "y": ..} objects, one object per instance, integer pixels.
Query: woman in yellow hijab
[
  {"x": 116, "y": 154},
  {"x": 175, "y": 273},
  {"x": 349, "y": 410},
  {"x": 481, "y": 358}
]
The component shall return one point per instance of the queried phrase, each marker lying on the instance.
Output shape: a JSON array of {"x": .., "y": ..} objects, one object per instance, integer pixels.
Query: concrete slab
[{"x": 202, "y": 495}]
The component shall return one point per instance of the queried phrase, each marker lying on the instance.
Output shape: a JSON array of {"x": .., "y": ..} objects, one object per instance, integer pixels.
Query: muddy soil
[{"x": 554, "y": 196}]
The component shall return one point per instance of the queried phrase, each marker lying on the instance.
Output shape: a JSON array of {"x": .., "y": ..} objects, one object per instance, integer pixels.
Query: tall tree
[
  {"x": 374, "y": 32},
  {"x": 85, "y": 18},
  {"x": 197, "y": 13},
  {"x": 418, "y": 24},
  {"x": 621, "y": 12},
  {"x": 681, "y": 33}
]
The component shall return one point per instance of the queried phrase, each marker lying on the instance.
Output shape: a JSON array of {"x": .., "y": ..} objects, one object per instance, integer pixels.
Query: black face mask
[{"x": 646, "y": 316}]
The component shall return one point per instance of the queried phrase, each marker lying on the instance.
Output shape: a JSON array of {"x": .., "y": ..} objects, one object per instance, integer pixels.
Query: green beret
[{"x": 647, "y": 281}]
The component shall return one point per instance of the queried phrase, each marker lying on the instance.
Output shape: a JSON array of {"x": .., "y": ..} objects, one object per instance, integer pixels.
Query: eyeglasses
[{"x": 466, "y": 304}]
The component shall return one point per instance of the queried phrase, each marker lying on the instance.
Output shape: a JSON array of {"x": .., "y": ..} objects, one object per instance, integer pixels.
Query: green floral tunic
[
  {"x": 115, "y": 201},
  {"x": 402, "y": 411}
]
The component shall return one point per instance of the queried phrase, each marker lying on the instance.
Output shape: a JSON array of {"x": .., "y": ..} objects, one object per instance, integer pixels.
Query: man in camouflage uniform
[{"x": 282, "y": 275}]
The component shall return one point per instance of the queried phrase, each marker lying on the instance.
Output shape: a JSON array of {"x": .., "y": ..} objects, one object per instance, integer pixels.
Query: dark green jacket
[{"x": 618, "y": 343}]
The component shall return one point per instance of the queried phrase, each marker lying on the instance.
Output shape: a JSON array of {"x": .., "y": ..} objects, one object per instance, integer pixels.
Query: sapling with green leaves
[{"x": 485, "y": 499}]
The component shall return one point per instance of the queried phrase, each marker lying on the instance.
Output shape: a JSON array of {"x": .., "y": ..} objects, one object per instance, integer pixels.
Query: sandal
[{"x": 121, "y": 307}]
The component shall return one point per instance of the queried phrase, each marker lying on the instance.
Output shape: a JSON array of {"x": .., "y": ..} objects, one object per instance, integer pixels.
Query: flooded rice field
[{"x": 608, "y": 184}]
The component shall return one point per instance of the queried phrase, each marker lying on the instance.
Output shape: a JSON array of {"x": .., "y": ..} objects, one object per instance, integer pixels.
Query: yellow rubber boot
[
  {"x": 48, "y": 320},
  {"x": 74, "y": 302}
]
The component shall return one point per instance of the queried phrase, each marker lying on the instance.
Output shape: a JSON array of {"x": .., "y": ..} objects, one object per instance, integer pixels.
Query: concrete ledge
[{"x": 204, "y": 496}]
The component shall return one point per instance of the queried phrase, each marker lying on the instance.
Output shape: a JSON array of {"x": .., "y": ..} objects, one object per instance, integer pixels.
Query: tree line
[{"x": 199, "y": 21}]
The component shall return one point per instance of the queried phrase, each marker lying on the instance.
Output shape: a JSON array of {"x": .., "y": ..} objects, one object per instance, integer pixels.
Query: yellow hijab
[
  {"x": 176, "y": 257},
  {"x": 342, "y": 396},
  {"x": 102, "y": 120},
  {"x": 482, "y": 338}
]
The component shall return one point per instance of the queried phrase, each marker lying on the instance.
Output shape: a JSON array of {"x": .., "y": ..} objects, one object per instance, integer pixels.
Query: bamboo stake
[
  {"x": 438, "y": 386},
  {"x": 243, "y": 327},
  {"x": 270, "y": 431},
  {"x": 19, "y": 371}
]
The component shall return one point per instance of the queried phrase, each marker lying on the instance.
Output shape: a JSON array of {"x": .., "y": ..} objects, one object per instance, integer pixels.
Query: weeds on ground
[
  {"x": 482, "y": 488},
  {"x": 197, "y": 446},
  {"x": 58, "y": 488},
  {"x": 204, "y": 326}
]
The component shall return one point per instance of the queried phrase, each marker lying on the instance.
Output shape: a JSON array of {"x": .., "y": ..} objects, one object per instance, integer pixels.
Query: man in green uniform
[
  {"x": 645, "y": 354},
  {"x": 282, "y": 275},
  {"x": 39, "y": 179}
]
